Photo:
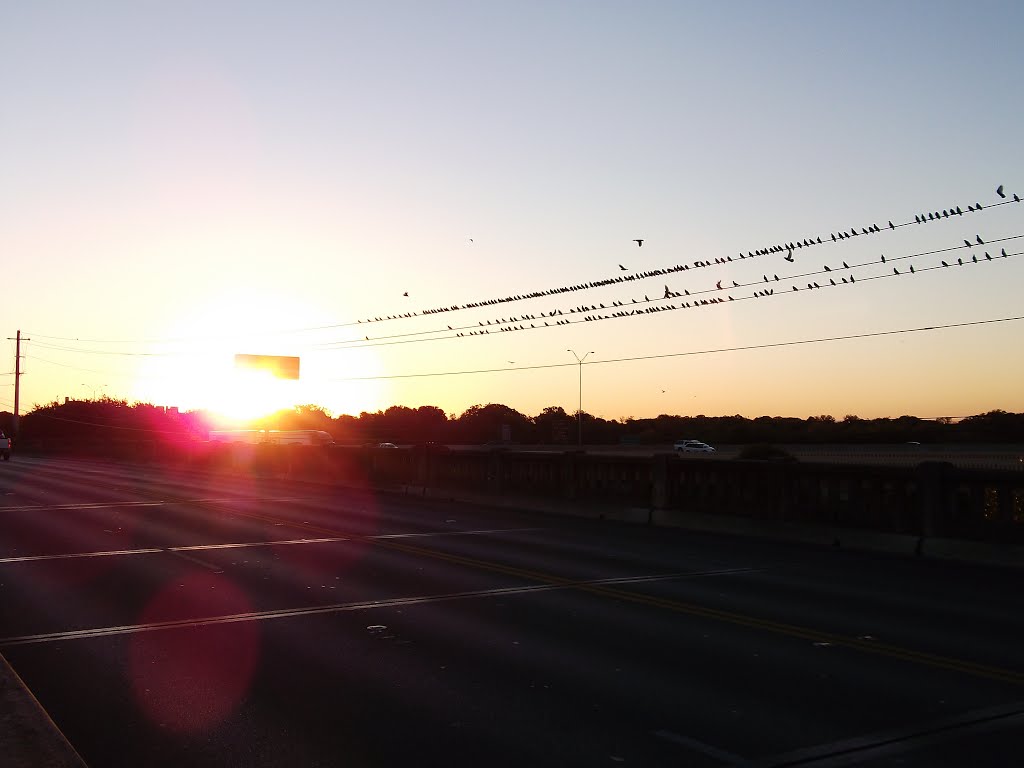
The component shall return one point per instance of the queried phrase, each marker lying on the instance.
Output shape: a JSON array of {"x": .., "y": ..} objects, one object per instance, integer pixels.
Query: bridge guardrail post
[{"x": 935, "y": 497}]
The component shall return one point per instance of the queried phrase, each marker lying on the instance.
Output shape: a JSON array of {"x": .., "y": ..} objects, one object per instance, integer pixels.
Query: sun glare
[
  {"x": 244, "y": 395},
  {"x": 196, "y": 369}
]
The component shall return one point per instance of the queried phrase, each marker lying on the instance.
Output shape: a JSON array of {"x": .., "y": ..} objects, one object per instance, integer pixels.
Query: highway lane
[{"x": 168, "y": 618}]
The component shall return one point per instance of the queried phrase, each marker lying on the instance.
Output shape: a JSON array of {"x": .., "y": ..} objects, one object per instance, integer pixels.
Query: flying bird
[
  {"x": 624, "y": 269},
  {"x": 788, "y": 256},
  {"x": 999, "y": 191},
  {"x": 406, "y": 293},
  {"x": 639, "y": 243}
]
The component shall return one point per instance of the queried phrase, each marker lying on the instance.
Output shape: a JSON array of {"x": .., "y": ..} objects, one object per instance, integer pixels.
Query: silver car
[{"x": 692, "y": 446}]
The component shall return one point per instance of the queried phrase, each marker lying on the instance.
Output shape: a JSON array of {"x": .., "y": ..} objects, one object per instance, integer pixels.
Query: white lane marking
[
  {"x": 113, "y": 504},
  {"x": 90, "y": 505},
  {"x": 245, "y": 544},
  {"x": 888, "y": 743},
  {"x": 705, "y": 749},
  {"x": 154, "y": 550},
  {"x": 453, "y": 533},
  {"x": 196, "y": 561},
  {"x": 286, "y": 613},
  {"x": 71, "y": 555}
]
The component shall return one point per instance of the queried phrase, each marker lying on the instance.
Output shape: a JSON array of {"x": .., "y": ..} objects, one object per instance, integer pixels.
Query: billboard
[{"x": 280, "y": 367}]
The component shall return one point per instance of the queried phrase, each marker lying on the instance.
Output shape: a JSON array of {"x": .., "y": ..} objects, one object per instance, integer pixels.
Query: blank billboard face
[{"x": 276, "y": 365}]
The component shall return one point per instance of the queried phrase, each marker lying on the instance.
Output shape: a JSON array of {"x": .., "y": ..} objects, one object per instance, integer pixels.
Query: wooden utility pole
[{"x": 17, "y": 379}]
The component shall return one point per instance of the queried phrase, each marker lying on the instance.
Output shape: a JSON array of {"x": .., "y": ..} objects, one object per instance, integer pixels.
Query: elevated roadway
[{"x": 168, "y": 618}]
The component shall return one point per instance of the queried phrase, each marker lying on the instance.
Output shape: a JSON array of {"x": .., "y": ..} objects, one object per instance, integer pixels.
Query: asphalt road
[{"x": 169, "y": 618}]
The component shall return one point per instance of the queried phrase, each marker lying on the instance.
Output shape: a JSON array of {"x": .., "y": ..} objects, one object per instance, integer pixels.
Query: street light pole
[
  {"x": 94, "y": 389},
  {"x": 579, "y": 412}
]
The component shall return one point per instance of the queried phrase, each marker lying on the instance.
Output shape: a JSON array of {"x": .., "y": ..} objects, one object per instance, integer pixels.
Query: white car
[{"x": 692, "y": 446}]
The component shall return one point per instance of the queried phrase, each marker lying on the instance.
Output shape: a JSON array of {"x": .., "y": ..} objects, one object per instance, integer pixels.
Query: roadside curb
[{"x": 28, "y": 737}]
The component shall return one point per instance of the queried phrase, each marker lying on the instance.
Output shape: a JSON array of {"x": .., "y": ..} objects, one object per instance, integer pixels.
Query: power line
[
  {"x": 595, "y": 313},
  {"x": 693, "y": 353},
  {"x": 598, "y": 313},
  {"x": 579, "y": 286}
]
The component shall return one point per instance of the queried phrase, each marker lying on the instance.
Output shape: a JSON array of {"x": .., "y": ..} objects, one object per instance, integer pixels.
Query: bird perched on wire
[
  {"x": 639, "y": 243},
  {"x": 789, "y": 256}
]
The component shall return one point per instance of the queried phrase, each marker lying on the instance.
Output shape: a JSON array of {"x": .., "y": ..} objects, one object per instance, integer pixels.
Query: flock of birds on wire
[{"x": 636, "y": 307}]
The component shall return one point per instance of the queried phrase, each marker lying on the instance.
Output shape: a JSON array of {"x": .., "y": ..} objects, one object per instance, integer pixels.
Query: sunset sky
[{"x": 184, "y": 181}]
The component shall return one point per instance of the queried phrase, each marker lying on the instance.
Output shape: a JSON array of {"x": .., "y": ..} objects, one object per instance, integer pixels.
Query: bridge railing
[{"x": 931, "y": 499}]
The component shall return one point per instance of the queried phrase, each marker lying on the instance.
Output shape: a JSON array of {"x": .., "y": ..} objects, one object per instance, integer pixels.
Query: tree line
[{"x": 113, "y": 419}]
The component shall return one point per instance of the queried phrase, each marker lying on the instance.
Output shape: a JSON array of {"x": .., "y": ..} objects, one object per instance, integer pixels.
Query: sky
[{"x": 186, "y": 181}]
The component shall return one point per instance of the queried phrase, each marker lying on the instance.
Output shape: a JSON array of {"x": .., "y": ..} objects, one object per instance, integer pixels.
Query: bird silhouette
[
  {"x": 639, "y": 243},
  {"x": 788, "y": 256},
  {"x": 945, "y": 264},
  {"x": 999, "y": 191},
  {"x": 845, "y": 265},
  {"x": 911, "y": 269},
  {"x": 1016, "y": 197},
  {"x": 895, "y": 271},
  {"x": 967, "y": 243},
  {"x": 883, "y": 258},
  {"x": 827, "y": 269},
  {"x": 980, "y": 241},
  {"x": 406, "y": 293},
  {"x": 624, "y": 269},
  {"x": 891, "y": 225}
]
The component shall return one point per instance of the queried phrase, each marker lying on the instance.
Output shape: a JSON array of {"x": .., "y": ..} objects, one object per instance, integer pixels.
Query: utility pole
[{"x": 17, "y": 378}]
